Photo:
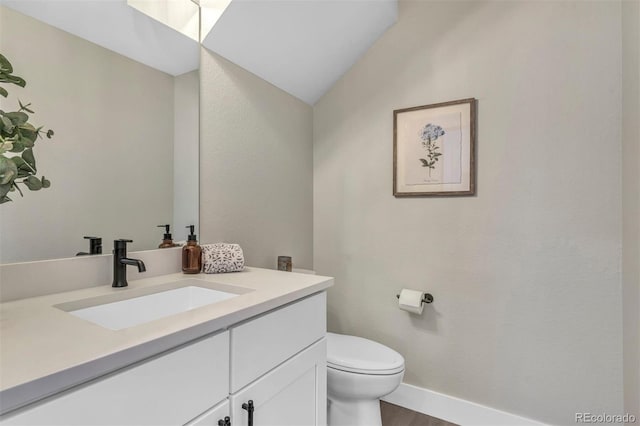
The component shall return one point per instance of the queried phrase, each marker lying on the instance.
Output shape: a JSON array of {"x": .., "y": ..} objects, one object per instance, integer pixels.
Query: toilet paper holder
[{"x": 427, "y": 298}]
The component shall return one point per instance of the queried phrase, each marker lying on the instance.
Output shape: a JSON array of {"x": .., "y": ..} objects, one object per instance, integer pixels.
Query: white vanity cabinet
[
  {"x": 169, "y": 389},
  {"x": 212, "y": 416},
  {"x": 289, "y": 345},
  {"x": 277, "y": 360}
]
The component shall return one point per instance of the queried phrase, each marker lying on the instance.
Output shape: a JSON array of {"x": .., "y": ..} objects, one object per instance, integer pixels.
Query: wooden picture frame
[{"x": 434, "y": 149}]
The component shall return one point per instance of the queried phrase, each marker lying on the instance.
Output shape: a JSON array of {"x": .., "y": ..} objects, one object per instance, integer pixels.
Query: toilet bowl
[{"x": 359, "y": 373}]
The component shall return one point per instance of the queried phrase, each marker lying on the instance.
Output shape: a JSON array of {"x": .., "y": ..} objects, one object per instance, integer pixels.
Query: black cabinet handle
[
  {"x": 249, "y": 407},
  {"x": 225, "y": 422}
]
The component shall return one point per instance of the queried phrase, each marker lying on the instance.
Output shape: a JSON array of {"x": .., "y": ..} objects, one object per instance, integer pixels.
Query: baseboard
[{"x": 452, "y": 409}]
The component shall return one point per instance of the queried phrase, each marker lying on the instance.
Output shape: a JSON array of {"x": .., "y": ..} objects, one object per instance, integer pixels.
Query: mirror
[{"x": 121, "y": 91}]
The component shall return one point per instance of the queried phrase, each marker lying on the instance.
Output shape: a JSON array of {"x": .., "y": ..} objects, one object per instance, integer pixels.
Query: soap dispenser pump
[
  {"x": 167, "y": 240},
  {"x": 191, "y": 254}
]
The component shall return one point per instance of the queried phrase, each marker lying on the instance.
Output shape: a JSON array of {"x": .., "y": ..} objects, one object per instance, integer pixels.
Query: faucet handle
[
  {"x": 95, "y": 245},
  {"x": 121, "y": 243}
]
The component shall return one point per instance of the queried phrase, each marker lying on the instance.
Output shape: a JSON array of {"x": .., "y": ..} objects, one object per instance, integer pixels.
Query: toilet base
[{"x": 354, "y": 412}]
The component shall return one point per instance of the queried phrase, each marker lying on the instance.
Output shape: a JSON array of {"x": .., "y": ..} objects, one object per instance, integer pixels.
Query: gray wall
[
  {"x": 526, "y": 275},
  {"x": 111, "y": 160},
  {"x": 631, "y": 202},
  {"x": 186, "y": 147},
  {"x": 256, "y": 166}
]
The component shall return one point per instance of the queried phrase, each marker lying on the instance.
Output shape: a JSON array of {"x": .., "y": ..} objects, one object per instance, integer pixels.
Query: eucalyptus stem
[
  {"x": 15, "y": 185},
  {"x": 18, "y": 137}
]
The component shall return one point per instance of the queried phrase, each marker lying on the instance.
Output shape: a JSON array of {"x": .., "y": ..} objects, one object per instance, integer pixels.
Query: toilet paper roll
[{"x": 411, "y": 301}]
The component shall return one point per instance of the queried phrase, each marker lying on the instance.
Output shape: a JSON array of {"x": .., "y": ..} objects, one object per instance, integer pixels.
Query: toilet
[{"x": 359, "y": 373}]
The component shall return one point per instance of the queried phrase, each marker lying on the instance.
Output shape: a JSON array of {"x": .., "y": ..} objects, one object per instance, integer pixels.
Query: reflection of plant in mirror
[
  {"x": 17, "y": 138},
  {"x": 429, "y": 134}
]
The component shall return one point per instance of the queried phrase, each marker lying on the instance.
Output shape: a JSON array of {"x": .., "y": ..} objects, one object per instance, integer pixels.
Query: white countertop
[{"x": 44, "y": 349}]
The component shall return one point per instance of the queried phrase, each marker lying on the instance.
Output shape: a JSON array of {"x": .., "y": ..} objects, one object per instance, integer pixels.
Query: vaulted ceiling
[
  {"x": 116, "y": 26},
  {"x": 300, "y": 46}
]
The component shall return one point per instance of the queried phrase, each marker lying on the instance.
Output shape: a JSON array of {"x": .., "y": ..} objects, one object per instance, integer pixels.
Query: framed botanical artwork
[{"x": 434, "y": 149}]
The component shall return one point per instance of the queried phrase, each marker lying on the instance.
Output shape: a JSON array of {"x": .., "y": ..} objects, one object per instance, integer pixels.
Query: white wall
[
  {"x": 631, "y": 202},
  {"x": 256, "y": 166},
  {"x": 526, "y": 274},
  {"x": 110, "y": 162}
]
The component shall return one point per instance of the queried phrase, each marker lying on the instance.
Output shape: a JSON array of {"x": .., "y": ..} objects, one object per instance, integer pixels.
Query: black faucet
[
  {"x": 120, "y": 262},
  {"x": 95, "y": 246}
]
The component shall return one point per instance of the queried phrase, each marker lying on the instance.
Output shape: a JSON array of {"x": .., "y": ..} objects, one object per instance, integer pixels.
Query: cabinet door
[
  {"x": 279, "y": 335},
  {"x": 169, "y": 389},
  {"x": 294, "y": 394},
  {"x": 212, "y": 416}
]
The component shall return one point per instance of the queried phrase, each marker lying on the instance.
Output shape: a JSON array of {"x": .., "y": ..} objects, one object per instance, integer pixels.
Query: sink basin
[{"x": 139, "y": 310}]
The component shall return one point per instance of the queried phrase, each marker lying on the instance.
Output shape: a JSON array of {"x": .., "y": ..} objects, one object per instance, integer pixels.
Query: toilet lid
[{"x": 358, "y": 355}]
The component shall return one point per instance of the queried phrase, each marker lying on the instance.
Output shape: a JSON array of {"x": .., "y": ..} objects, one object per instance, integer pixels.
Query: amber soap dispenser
[
  {"x": 167, "y": 240},
  {"x": 191, "y": 254}
]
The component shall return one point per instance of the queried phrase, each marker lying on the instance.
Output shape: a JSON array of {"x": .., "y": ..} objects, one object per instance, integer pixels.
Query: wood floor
[{"x": 393, "y": 415}]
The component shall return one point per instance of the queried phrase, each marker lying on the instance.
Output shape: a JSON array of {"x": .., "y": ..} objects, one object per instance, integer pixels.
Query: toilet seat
[{"x": 357, "y": 355}]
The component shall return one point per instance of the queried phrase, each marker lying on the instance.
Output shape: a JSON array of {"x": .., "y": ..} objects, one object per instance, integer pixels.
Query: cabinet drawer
[
  {"x": 170, "y": 389},
  {"x": 265, "y": 342}
]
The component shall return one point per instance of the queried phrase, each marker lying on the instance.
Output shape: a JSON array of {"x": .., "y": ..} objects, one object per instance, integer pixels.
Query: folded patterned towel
[{"x": 222, "y": 257}]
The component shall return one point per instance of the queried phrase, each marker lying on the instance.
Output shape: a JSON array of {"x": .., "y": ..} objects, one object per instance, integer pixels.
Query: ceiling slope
[
  {"x": 116, "y": 26},
  {"x": 300, "y": 46}
]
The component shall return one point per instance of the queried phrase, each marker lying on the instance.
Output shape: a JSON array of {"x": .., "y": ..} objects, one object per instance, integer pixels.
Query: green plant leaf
[
  {"x": 50, "y": 133},
  {"x": 4, "y": 190},
  {"x": 4, "y": 199},
  {"x": 3, "y": 92},
  {"x": 24, "y": 169},
  {"x": 5, "y": 65},
  {"x": 7, "y": 125},
  {"x": 18, "y": 161},
  {"x": 33, "y": 183},
  {"x": 45, "y": 182},
  {"x": 27, "y": 156},
  {"x": 8, "y": 170},
  {"x": 28, "y": 143},
  {"x": 17, "y": 118},
  {"x": 18, "y": 146},
  {"x": 8, "y": 78},
  {"x": 27, "y": 133}
]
